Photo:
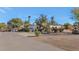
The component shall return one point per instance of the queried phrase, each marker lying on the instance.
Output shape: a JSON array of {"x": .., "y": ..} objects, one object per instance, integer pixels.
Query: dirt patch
[{"x": 68, "y": 42}]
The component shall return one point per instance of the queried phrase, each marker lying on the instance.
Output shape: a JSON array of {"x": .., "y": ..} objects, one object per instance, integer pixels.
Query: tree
[
  {"x": 75, "y": 12},
  {"x": 67, "y": 25},
  {"x": 26, "y": 25},
  {"x": 76, "y": 23},
  {"x": 42, "y": 24},
  {"x": 76, "y": 16},
  {"x": 29, "y": 18},
  {"x": 42, "y": 20},
  {"x": 37, "y": 22},
  {"x": 52, "y": 21},
  {"x": 3, "y": 26},
  {"x": 15, "y": 22}
]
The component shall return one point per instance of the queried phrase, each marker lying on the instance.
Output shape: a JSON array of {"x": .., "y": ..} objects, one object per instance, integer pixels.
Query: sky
[{"x": 62, "y": 14}]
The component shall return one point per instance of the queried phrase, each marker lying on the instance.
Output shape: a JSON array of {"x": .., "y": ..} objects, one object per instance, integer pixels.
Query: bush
[
  {"x": 61, "y": 30},
  {"x": 37, "y": 33},
  {"x": 27, "y": 30}
]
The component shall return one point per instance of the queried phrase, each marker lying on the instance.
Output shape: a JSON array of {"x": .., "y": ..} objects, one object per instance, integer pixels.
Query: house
[{"x": 58, "y": 26}]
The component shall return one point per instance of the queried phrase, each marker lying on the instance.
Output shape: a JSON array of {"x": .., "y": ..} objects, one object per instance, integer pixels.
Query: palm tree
[
  {"x": 53, "y": 22},
  {"x": 27, "y": 24},
  {"x": 29, "y": 18}
]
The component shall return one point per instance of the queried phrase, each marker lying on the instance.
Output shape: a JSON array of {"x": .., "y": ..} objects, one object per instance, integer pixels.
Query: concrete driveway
[{"x": 11, "y": 41}]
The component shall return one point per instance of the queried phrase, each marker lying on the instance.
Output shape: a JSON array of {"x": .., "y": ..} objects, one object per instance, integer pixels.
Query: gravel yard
[{"x": 66, "y": 41}]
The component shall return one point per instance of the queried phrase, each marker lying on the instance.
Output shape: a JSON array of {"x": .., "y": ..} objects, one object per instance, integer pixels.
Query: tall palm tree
[
  {"x": 53, "y": 22},
  {"x": 27, "y": 24},
  {"x": 29, "y": 18}
]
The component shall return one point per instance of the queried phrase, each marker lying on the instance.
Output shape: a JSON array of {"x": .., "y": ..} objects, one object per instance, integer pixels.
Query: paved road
[{"x": 13, "y": 42}]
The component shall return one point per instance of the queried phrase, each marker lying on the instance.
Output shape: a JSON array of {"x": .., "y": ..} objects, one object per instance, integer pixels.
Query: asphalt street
[{"x": 11, "y": 41}]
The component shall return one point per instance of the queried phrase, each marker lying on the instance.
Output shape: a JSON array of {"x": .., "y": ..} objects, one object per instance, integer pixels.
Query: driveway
[{"x": 11, "y": 41}]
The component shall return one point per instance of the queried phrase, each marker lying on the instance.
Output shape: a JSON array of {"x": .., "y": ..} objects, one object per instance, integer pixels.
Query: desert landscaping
[
  {"x": 66, "y": 41},
  {"x": 52, "y": 32}
]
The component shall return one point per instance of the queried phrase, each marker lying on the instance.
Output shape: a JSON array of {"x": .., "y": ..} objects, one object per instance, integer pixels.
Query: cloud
[{"x": 4, "y": 10}]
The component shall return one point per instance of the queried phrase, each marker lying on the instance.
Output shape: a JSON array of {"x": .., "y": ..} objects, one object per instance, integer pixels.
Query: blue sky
[{"x": 61, "y": 14}]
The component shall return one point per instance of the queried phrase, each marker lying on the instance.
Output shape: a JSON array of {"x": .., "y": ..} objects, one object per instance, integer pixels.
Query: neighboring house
[
  {"x": 32, "y": 27},
  {"x": 58, "y": 26}
]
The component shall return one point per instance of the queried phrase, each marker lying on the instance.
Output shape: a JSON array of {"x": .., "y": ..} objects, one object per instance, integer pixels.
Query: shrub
[
  {"x": 37, "y": 33},
  {"x": 27, "y": 30}
]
